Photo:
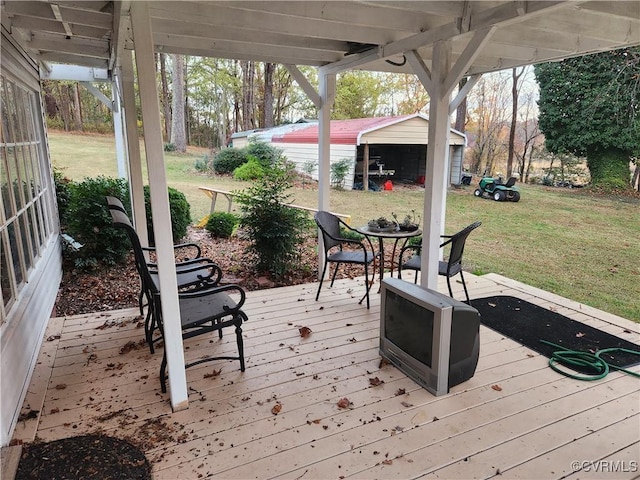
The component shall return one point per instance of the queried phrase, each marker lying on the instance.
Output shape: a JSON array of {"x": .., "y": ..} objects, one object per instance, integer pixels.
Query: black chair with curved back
[
  {"x": 448, "y": 268},
  {"x": 333, "y": 243},
  {"x": 193, "y": 270},
  {"x": 202, "y": 311}
]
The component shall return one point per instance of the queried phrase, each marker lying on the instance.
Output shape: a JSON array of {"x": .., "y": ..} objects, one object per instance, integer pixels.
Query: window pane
[
  {"x": 5, "y": 280},
  {"x": 37, "y": 176},
  {"x": 7, "y": 133},
  {"x": 4, "y": 183},
  {"x": 42, "y": 226},
  {"x": 14, "y": 252},
  {"x": 34, "y": 230},
  {"x": 13, "y": 180},
  {"x": 25, "y": 174},
  {"x": 25, "y": 235}
]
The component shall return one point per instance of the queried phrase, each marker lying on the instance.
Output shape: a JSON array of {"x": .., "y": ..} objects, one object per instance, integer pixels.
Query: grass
[{"x": 564, "y": 241}]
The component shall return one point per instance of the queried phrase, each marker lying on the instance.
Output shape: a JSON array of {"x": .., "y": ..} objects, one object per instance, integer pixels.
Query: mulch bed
[
  {"x": 84, "y": 457},
  {"x": 117, "y": 287}
]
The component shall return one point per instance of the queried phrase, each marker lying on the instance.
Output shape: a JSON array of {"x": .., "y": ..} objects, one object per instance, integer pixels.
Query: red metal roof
[{"x": 342, "y": 131}]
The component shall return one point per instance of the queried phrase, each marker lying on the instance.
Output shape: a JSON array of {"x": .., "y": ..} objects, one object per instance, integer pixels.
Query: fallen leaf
[
  {"x": 497, "y": 388},
  {"x": 400, "y": 391},
  {"x": 387, "y": 461},
  {"x": 276, "y": 408},
  {"x": 375, "y": 382},
  {"x": 213, "y": 374},
  {"x": 406, "y": 404},
  {"x": 61, "y": 386},
  {"x": 492, "y": 304},
  {"x": 304, "y": 332},
  {"x": 344, "y": 403},
  {"x": 580, "y": 334}
]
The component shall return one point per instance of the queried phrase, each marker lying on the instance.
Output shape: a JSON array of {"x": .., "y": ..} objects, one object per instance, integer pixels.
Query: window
[{"x": 25, "y": 223}]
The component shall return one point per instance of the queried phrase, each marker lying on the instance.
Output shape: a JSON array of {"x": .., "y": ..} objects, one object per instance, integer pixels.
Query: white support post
[
  {"x": 118, "y": 129},
  {"x": 136, "y": 182},
  {"x": 435, "y": 191},
  {"x": 327, "y": 86},
  {"x": 143, "y": 41}
]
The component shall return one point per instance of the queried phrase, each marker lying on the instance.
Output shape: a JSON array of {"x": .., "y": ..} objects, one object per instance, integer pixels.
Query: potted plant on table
[
  {"x": 381, "y": 224},
  {"x": 411, "y": 222}
]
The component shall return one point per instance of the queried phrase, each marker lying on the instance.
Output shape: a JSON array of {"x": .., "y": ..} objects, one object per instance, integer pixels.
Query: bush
[
  {"x": 249, "y": 171},
  {"x": 88, "y": 221},
  {"x": 228, "y": 159},
  {"x": 202, "y": 164},
  {"x": 266, "y": 154},
  {"x": 339, "y": 172},
  {"x": 221, "y": 224},
  {"x": 180, "y": 214},
  {"x": 274, "y": 230},
  {"x": 169, "y": 147},
  {"x": 63, "y": 195}
]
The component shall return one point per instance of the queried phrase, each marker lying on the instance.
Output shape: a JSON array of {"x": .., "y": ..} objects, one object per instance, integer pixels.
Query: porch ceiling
[{"x": 358, "y": 34}]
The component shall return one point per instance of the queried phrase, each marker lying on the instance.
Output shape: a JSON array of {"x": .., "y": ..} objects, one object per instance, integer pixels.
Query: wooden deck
[{"x": 516, "y": 418}]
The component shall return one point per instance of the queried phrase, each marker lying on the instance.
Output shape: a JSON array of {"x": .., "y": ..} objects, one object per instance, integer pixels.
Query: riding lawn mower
[{"x": 494, "y": 188}]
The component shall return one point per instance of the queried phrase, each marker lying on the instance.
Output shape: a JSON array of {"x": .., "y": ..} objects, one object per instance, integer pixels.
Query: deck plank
[{"x": 515, "y": 414}]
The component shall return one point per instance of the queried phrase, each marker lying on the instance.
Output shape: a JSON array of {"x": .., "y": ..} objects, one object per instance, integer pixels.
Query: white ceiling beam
[
  {"x": 106, "y": 101},
  {"x": 73, "y": 16},
  {"x": 465, "y": 60},
  {"x": 463, "y": 92},
  {"x": 214, "y": 15},
  {"x": 56, "y": 13},
  {"x": 53, "y": 26},
  {"x": 445, "y": 9},
  {"x": 248, "y": 48},
  {"x": 80, "y": 49},
  {"x": 304, "y": 84},
  {"x": 75, "y": 73},
  {"x": 420, "y": 69},
  {"x": 201, "y": 33},
  {"x": 55, "y": 57},
  {"x": 368, "y": 15}
]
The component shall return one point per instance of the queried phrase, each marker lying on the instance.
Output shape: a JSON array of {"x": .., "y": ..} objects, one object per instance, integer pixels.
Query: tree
[
  {"x": 590, "y": 106},
  {"x": 515, "y": 90},
  {"x": 269, "y": 68},
  {"x": 178, "y": 131},
  {"x": 357, "y": 95},
  {"x": 166, "y": 102}
]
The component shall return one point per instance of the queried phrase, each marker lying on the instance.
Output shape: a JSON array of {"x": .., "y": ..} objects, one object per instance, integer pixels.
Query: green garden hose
[{"x": 575, "y": 358}]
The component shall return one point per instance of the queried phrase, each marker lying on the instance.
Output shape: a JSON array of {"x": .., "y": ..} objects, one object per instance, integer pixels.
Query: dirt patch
[{"x": 83, "y": 457}]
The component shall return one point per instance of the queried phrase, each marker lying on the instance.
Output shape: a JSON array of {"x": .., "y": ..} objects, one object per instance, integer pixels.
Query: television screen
[
  {"x": 409, "y": 326},
  {"x": 431, "y": 337}
]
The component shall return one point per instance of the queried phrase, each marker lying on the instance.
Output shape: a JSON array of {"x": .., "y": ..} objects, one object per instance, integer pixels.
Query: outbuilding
[{"x": 379, "y": 148}]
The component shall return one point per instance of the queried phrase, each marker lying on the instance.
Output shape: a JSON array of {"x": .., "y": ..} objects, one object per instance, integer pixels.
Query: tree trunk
[
  {"x": 461, "y": 111},
  {"x": 178, "y": 133},
  {"x": 514, "y": 119},
  {"x": 64, "y": 105},
  {"x": 248, "y": 99},
  {"x": 166, "y": 101},
  {"x": 77, "y": 108},
  {"x": 268, "y": 94},
  {"x": 50, "y": 102}
]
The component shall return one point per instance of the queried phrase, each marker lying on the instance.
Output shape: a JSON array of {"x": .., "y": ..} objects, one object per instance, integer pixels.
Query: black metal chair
[
  {"x": 193, "y": 270},
  {"x": 202, "y": 311},
  {"x": 333, "y": 243},
  {"x": 448, "y": 268}
]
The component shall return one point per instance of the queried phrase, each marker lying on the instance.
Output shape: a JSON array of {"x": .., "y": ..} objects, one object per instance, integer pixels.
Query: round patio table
[{"x": 395, "y": 235}]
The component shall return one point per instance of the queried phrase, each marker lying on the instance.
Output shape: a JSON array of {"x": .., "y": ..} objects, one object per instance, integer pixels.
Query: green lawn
[{"x": 564, "y": 241}]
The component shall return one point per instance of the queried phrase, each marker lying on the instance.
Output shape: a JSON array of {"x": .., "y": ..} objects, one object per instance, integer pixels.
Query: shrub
[
  {"x": 339, "y": 172},
  {"x": 202, "y": 164},
  {"x": 249, "y": 171},
  {"x": 63, "y": 195},
  {"x": 228, "y": 159},
  {"x": 275, "y": 231},
  {"x": 88, "y": 222},
  {"x": 180, "y": 214},
  {"x": 169, "y": 147},
  {"x": 266, "y": 154},
  {"x": 221, "y": 224},
  {"x": 350, "y": 234}
]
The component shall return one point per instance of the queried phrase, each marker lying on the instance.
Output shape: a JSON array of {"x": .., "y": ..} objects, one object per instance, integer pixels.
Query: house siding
[{"x": 26, "y": 317}]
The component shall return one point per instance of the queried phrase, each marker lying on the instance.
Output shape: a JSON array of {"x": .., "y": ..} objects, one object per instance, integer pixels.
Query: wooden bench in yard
[{"x": 212, "y": 193}]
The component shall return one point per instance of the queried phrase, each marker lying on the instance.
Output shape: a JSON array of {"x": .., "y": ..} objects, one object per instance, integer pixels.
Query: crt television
[{"x": 432, "y": 338}]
